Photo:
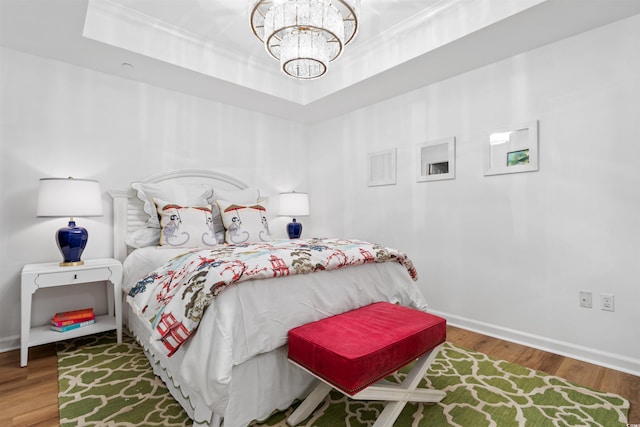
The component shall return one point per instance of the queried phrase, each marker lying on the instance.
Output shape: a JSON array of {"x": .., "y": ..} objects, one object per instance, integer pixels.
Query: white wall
[
  {"x": 508, "y": 254},
  {"x": 59, "y": 120}
]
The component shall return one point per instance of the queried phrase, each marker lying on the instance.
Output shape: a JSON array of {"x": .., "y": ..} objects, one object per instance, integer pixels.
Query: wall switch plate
[
  {"x": 606, "y": 302},
  {"x": 585, "y": 299}
]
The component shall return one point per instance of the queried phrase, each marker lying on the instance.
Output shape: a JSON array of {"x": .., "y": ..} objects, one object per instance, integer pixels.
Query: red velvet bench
[{"x": 352, "y": 352}]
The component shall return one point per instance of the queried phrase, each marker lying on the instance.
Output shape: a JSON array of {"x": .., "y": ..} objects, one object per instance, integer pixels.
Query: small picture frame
[
  {"x": 381, "y": 168},
  {"x": 436, "y": 160},
  {"x": 520, "y": 157},
  {"x": 512, "y": 149}
]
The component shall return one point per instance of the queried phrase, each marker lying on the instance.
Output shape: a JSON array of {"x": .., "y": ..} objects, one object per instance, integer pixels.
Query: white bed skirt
[{"x": 248, "y": 400}]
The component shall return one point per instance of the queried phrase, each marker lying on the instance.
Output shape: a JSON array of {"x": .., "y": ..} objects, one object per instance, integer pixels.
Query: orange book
[{"x": 77, "y": 315}]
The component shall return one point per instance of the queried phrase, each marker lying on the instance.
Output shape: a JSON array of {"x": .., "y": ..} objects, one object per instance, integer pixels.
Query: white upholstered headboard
[{"x": 128, "y": 214}]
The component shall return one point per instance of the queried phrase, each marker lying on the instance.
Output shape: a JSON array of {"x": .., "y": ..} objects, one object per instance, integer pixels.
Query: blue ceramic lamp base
[
  {"x": 71, "y": 241},
  {"x": 294, "y": 229}
]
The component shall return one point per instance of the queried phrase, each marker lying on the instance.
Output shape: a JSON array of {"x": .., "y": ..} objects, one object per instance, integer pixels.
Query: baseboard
[
  {"x": 585, "y": 354},
  {"x": 9, "y": 343}
]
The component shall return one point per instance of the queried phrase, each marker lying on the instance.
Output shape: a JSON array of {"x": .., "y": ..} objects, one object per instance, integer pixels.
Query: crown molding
[{"x": 126, "y": 28}]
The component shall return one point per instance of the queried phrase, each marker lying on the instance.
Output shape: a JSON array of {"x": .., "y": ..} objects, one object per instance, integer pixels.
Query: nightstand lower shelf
[
  {"x": 50, "y": 275},
  {"x": 43, "y": 335}
]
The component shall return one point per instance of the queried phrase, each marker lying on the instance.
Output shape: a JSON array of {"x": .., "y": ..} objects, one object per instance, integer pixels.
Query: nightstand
[{"x": 48, "y": 275}]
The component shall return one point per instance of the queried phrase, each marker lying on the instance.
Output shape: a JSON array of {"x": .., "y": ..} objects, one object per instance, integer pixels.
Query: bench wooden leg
[
  {"x": 309, "y": 404},
  {"x": 397, "y": 395}
]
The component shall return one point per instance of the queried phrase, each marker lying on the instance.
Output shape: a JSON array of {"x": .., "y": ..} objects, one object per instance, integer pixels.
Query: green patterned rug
[{"x": 105, "y": 384}]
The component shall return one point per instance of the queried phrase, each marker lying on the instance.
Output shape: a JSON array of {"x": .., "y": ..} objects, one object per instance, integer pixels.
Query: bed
[{"x": 229, "y": 367}]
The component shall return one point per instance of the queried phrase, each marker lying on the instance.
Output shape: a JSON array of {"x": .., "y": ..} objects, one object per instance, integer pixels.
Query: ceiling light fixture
[{"x": 305, "y": 35}]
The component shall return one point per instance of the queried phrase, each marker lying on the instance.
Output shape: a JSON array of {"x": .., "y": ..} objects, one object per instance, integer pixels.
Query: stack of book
[{"x": 69, "y": 320}]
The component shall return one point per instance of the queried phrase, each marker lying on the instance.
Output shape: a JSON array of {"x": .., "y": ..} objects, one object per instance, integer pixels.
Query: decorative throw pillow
[
  {"x": 245, "y": 223},
  {"x": 185, "y": 226},
  {"x": 248, "y": 196},
  {"x": 179, "y": 193}
]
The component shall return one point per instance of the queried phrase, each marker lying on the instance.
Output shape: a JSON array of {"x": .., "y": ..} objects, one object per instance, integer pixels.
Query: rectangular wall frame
[
  {"x": 436, "y": 160},
  {"x": 512, "y": 149},
  {"x": 381, "y": 168}
]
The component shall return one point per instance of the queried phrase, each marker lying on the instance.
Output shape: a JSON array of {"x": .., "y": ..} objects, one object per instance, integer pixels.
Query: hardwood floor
[{"x": 29, "y": 395}]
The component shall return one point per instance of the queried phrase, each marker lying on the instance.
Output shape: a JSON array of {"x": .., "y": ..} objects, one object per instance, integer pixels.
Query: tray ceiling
[{"x": 206, "y": 47}]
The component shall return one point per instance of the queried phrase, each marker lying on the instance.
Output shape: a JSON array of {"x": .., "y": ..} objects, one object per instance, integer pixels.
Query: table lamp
[
  {"x": 70, "y": 197},
  {"x": 294, "y": 204}
]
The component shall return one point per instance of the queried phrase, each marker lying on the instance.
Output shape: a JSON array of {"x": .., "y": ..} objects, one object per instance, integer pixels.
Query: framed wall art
[
  {"x": 436, "y": 160},
  {"x": 512, "y": 149},
  {"x": 381, "y": 168}
]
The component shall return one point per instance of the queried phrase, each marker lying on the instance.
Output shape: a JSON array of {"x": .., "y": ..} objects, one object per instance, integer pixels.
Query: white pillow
[
  {"x": 178, "y": 193},
  {"x": 246, "y": 196},
  {"x": 144, "y": 237},
  {"x": 245, "y": 223},
  {"x": 185, "y": 226}
]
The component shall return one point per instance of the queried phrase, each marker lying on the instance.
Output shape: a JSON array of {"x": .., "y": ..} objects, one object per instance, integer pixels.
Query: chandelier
[{"x": 305, "y": 35}]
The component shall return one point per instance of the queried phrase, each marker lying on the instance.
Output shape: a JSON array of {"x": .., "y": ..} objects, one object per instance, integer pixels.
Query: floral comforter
[{"x": 174, "y": 297}]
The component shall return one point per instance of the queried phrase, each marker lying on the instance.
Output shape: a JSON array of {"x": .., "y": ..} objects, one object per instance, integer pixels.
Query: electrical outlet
[
  {"x": 606, "y": 302},
  {"x": 585, "y": 299}
]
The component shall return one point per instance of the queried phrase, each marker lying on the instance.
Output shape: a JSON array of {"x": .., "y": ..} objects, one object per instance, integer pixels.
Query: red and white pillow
[
  {"x": 244, "y": 223},
  {"x": 185, "y": 226}
]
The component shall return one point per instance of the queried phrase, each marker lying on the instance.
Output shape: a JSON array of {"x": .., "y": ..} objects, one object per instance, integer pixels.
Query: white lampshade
[
  {"x": 294, "y": 204},
  {"x": 69, "y": 197}
]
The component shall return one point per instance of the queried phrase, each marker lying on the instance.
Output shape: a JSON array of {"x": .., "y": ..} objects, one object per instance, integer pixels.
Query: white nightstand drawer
[{"x": 71, "y": 277}]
